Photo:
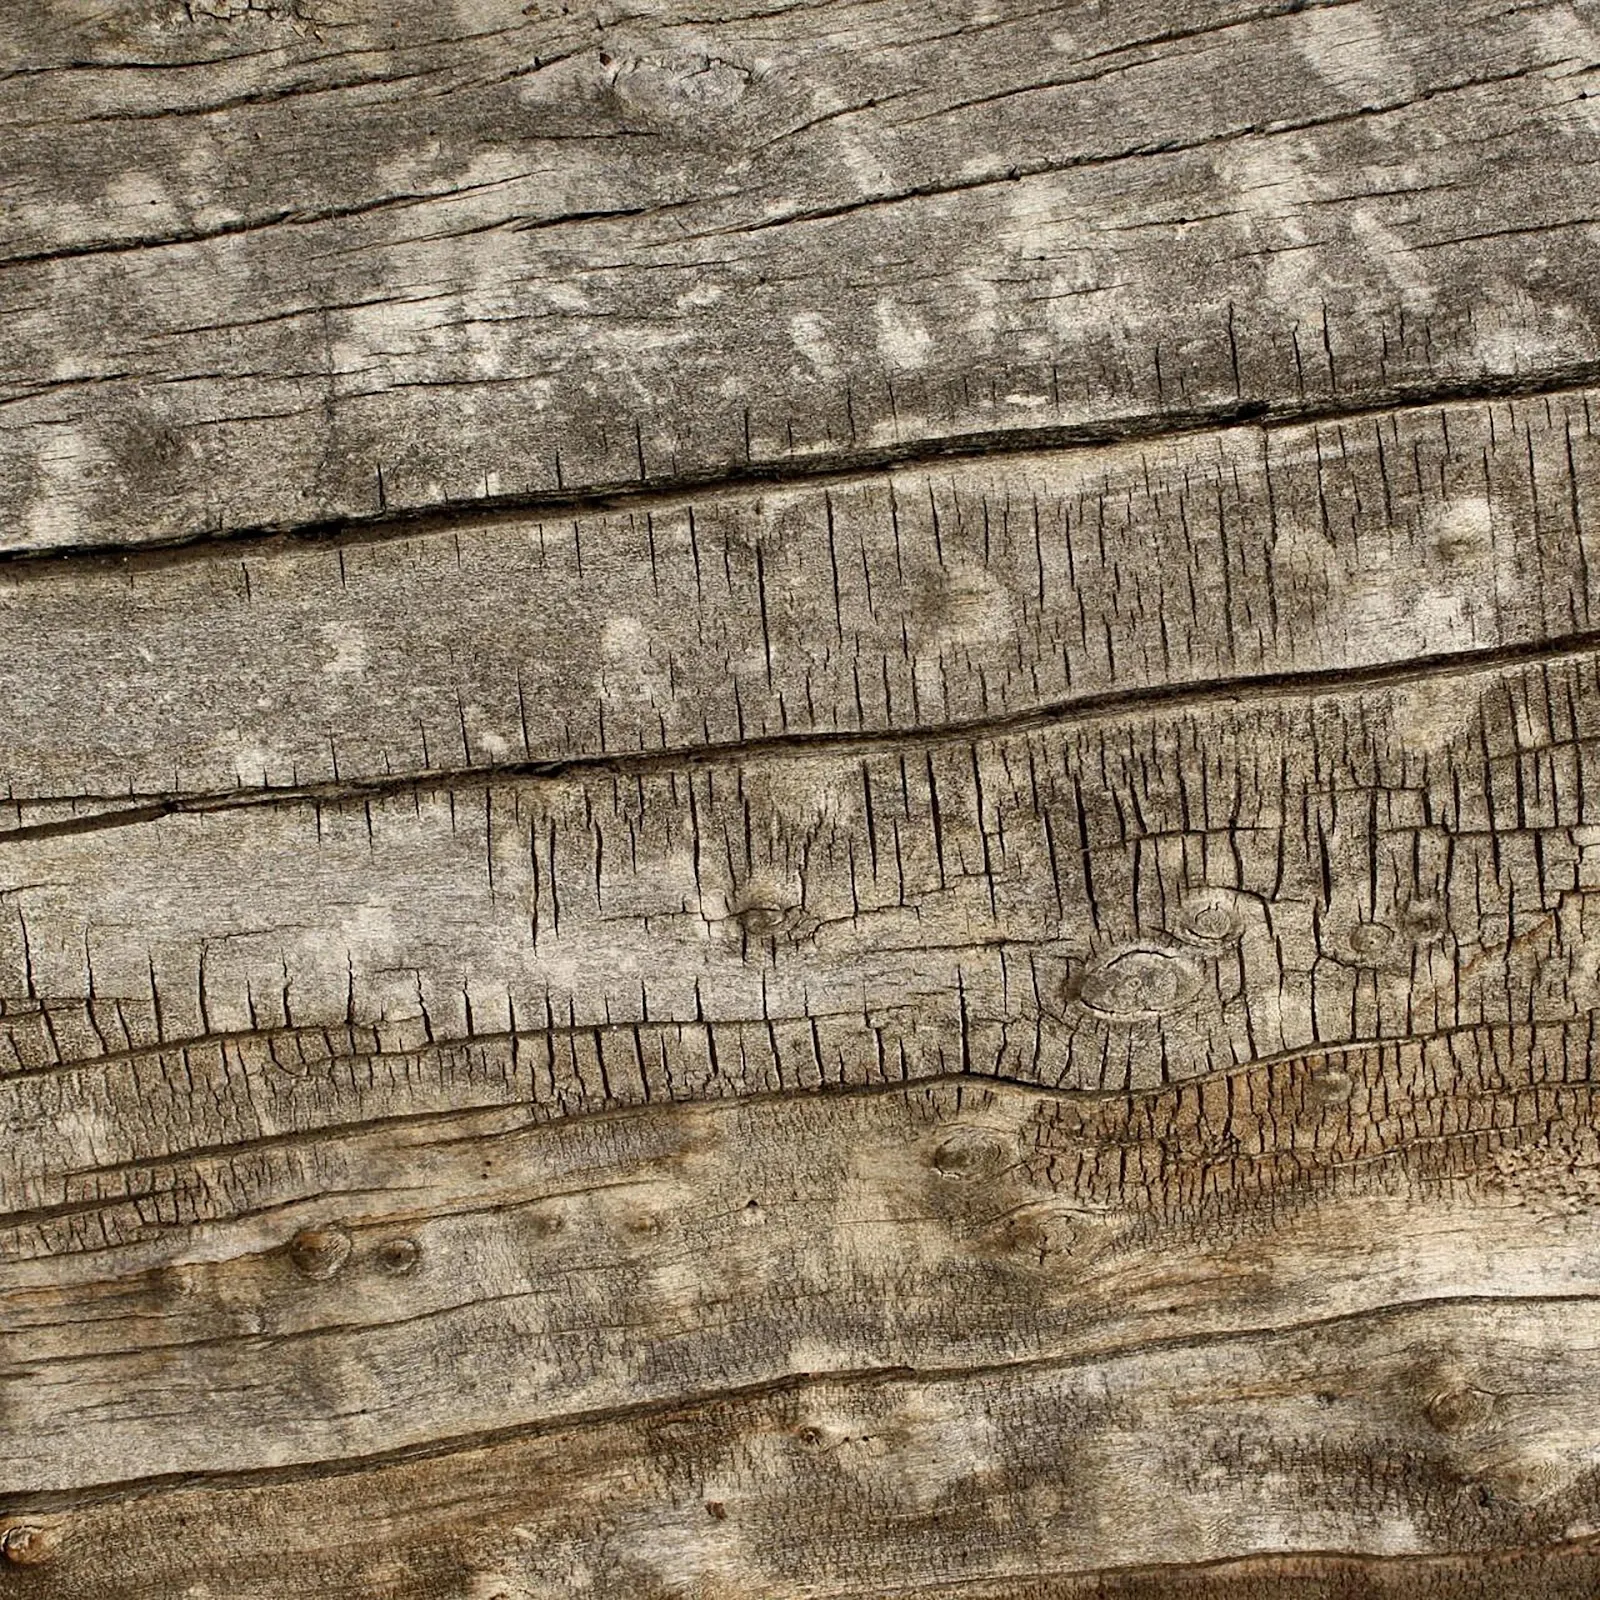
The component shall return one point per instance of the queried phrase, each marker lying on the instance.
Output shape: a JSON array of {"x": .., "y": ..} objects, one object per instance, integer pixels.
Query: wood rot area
[{"x": 800, "y": 803}]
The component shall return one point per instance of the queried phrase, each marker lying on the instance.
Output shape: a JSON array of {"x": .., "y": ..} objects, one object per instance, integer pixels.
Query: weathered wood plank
[
  {"x": 1421, "y": 1432},
  {"x": 1101, "y": 903},
  {"x": 369, "y": 1290},
  {"x": 801, "y": 802},
  {"x": 984, "y": 590},
  {"x": 496, "y": 253},
  {"x": 1566, "y": 1571}
]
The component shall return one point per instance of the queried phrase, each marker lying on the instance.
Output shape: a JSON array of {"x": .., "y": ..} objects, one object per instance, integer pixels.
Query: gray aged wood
[
  {"x": 313, "y": 260},
  {"x": 799, "y": 802},
  {"x": 993, "y": 587}
]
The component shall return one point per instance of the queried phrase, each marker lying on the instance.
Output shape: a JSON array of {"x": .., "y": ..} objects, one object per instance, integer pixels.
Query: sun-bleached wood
[
  {"x": 271, "y": 263},
  {"x": 981, "y": 590},
  {"x": 1110, "y": 901},
  {"x": 799, "y": 803}
]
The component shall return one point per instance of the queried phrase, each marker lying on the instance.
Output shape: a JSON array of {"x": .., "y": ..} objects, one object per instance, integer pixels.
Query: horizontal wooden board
[
  {"x": 1418, "y": 1432},
  {"x": 1104, "y": 902},
  {"x": 359, "y": 1291},
  {"x": 800, "y": 802},
  {"x": 994, "y": 588},
  {"x": 262, "y": 266}
]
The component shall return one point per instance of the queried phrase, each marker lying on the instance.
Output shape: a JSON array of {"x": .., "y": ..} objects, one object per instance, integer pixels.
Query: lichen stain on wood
[
  {"x": 251, "y": 280},
  {"x": 799, "y": 804}
]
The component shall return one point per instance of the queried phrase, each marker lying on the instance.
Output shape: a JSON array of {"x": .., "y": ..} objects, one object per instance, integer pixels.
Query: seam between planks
[
  {"x": 1310, "y": 683},
  {"x": 822, "y": 469}
]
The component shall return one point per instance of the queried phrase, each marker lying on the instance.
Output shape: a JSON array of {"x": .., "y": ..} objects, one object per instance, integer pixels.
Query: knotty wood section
[
  {"x": 799, "y": 803},
  {"x": 368, "y": 1291},
  {"x": 1114, "y": 901},
  {"x": 1324, "y": 964}
]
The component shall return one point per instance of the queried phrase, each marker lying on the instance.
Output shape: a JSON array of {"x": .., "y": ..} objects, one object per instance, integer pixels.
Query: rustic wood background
[{"x": 802, "y": 801}]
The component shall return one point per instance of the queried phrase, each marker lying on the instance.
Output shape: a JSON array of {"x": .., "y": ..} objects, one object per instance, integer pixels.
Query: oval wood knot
[
  {"x": 1330, "y": 1084},
  {"x": 968, "y": 1153},
  {"x": 1040, "y": 1234},
  {"x": 30, "y": 1544},
  {"x": 762, "y": 914},
  {"x": 1137, "y": 981},
  {"x": 764, "y": 921},
  {"x": 1211, "y": 918},
  {"x": 1460, "y": 1408},
  {"x": 319, "y": 1252},
  {"x": 399, "y": 1256}
]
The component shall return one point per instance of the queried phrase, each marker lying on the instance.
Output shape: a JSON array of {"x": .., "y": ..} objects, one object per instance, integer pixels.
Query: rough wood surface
[
  {"x": 800, "y": 804},
  {"x": 1121, "y": 900},
  {"x": 368, "y": 1292},
  {"x": 277, "y": 261},
  {"x": 973, "y": 593},
  {"x": 822, "y": 1486}
]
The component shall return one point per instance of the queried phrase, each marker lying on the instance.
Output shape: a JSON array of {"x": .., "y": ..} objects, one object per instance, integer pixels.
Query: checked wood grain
[{"x": 799, "y": 803}]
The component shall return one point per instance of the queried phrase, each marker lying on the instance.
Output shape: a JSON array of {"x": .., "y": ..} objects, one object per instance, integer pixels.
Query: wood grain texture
[
  {"x": 499, "y": 252},
  {"x": 800, "y": 804},
  {"x": 824, "y": 1485},
  {"x": 974, "y": 594},
  {"x": 1112, "y": 902},
  {"x": 365, "y": 1290}
]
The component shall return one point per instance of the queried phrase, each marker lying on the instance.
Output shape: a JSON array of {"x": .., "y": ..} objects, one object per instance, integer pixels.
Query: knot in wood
[
  {"x": 762, "y": 913},
  {"x": 1137, "y": 981},
  {"x": 1367, "y": 942},
  {"x": 399, "y": 1256},
  {"x": 546, "y": 1223},
  {"x": 968, "y": 1153},
  {"x": 1422, "y": 920},
  {"x": 641, "y": 1222},
  {"x": 1039, "y": 1234},
  {"x": 30, "y": 1543},
  {"x": 1524, "y": 1480},
  {"x": 1330, "y": 1085},
  {"x": 1210, "y": 918},
  {"x": 764, "y": 921},
  {"x": 319, "y": 1252},
  {"x": 1460, "y": 1408}
]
